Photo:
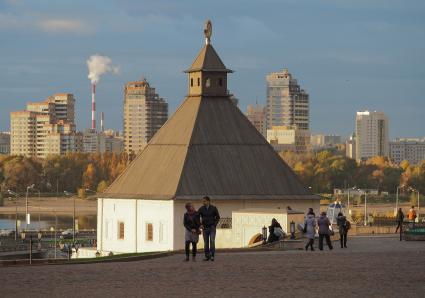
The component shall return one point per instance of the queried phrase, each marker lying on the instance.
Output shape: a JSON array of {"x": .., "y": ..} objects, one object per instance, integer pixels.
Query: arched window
[
  {"x": 191, "y": 82},
  {"x": 199, "y": 82},
  {"x": 220, "y": 82},
  {"x": 207, "y": 82}
]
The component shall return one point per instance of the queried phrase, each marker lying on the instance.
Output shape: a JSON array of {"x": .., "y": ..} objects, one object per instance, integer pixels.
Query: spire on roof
[
  {"x": 208, "y": 31},
  {"x": 208, "y": 59}
]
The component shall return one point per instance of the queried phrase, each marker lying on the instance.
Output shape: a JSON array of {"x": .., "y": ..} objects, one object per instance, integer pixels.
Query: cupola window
[
  {"x": 208, "y": 83},
  {"x": 191, "y": 82},
  {"x": 220, "y": 82}
]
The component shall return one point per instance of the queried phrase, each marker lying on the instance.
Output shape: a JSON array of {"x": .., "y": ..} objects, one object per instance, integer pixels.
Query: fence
[{"x": 225, "y": 223}]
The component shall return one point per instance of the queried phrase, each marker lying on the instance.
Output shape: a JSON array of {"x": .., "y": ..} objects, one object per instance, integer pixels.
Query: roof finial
[{"x": 208, "y": 31}]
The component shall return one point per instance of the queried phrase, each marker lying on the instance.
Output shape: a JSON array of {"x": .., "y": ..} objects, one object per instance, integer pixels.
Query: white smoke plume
[{"x": 99, "y": 65}]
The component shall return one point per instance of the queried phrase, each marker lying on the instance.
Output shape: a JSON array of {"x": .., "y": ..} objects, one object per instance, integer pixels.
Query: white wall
[
  {"x": 135, "y": 214},
  {"x": 226, "y": 208},
  {"x": 167, "y": 220}
]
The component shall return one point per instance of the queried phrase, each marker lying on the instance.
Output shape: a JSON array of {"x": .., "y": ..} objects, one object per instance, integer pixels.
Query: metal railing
[{"x": 225, "y": 223}]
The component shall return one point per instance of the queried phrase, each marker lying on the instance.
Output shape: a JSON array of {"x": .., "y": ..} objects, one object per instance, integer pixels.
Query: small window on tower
[
  {"x": 191, "y": 82},
  {"x": 207, "y": 82},
  {"x": 199, "y": 81},
  {"x": 220, "y": 82}
]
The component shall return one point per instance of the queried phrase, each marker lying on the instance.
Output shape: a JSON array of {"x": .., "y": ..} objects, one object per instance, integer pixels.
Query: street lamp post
[
  {"x": 397, "y": 200},
  {"x": 73, "y": 217},
  {"x": 419, "y": 206},
  {"x": 365, "y": 209},
  {"x": 27, "y": 217},
  {"x": 16, "y": 212},
  {"x": 365, "y": 205}
]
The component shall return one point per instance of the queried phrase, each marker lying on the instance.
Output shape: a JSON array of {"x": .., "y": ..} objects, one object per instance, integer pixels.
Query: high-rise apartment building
[
  {"x": 287, "y": 103},
  {"x": 93, "y": 141},
  {"x": 4, "y": 142},
  {"x": 371, "y": 135},
  {"x": 257, "y": 116},
  {"x": 323, "y": 141},
  {"x": 289, "y": 138},
  {"x": 410, "y": 149},
  {"x": 350, "y": 147},
  {"x": 113, "y": 141},
  {"x": 144, "y": 114},
  {"x": 44, "y": 128}
]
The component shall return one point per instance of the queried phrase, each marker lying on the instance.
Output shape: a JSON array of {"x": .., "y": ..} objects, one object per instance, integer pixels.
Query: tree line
[
  {"x": 322, "y": 171},
  {"x": 59, "y": 173},
  {"x": 325, "y": 170}
]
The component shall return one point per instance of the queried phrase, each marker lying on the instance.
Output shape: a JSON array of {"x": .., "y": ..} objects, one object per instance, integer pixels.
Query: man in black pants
[
  {"x": 209, "y": 220},
  {"x": 400, "y": 219}
]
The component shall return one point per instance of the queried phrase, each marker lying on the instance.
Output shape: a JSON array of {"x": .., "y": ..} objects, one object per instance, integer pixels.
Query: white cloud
[{"x": 64, "y": 26}]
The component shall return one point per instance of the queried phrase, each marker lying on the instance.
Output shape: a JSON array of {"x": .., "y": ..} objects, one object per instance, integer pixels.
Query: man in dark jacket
[
  {"x": 400, "y": 219},
  {"x": 209, "y": 220}
]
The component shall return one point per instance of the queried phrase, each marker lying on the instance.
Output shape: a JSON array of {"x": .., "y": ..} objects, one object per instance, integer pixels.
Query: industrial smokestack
[
  {"x": 93, "y": 107},
  {"x": 102, "y": 121},
  {"x": 98, "y": 65}
]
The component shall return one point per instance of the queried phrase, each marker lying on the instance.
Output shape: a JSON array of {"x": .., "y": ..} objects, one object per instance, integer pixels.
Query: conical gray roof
[
  {"x": 208, "y": 147},
  {"x": 208, "y": 60}
]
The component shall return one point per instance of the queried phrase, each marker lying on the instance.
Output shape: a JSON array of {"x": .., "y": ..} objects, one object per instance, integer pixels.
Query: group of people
[
  {"x": 204, "y": 221},
  {"x": 411, "y": 217},
  {"x": 323, "y": 224}
]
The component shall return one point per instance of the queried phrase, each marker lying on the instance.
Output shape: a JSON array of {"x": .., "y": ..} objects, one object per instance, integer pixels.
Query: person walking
[
  {"x": 192, "y": 224},
  {"x": 341, "y": 221},
  {"x": 399, "y": 219},
  {"x": 324, "y": 231},
  {"x": 411, "y": 216},
  {"x": 310, "y": 229},
  {"x": 209, "y": 220}
]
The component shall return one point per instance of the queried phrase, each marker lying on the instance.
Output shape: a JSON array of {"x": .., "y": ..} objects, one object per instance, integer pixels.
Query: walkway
[{"x": 370, "y": 267}]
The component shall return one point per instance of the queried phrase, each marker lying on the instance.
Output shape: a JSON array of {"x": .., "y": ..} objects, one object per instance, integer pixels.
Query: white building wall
[
  {"x": 226, "y": 207},
  {"x": 160, "y": 215},
  {"x": 135, "y": 214}
]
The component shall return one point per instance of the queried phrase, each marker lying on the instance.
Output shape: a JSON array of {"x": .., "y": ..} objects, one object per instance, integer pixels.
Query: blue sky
[{"x": 348, "y": 55}]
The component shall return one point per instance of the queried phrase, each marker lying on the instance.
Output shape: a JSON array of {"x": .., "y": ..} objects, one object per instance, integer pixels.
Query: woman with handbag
[
  {"x": 324, "y": 231},
  {"x": 192, "y": 224}
]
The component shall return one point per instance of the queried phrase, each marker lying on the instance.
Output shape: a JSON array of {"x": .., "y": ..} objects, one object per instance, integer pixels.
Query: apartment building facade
[{"x": 144, "y": 114}]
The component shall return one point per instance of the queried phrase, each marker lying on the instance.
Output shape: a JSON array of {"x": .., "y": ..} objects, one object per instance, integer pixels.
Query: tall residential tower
[
  {"x": 144, "y": 113},
  {"x": 371, "y": 135},
  {"x": 287, "y": 109}
]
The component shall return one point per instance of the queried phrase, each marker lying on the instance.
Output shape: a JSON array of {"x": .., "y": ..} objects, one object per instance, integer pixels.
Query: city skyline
[{"x": 349, "y": 57}]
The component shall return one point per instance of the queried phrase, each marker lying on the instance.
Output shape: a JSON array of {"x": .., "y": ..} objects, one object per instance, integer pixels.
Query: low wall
[
  {"x": 223, "y": 239},
  {"x": 375, "y": 230}
]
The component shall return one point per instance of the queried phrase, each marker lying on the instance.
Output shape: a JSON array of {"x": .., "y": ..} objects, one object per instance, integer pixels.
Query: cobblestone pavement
[{"x": 370, "y": 267}]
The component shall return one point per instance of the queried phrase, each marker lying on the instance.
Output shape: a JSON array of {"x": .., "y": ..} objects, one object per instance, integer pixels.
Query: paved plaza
[{"x": 370, "y": 267}]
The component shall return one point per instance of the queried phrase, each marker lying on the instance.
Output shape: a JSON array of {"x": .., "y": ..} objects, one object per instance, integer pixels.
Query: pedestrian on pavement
[
  {"x": 192, "y": 224},
  {"x": 324, "y": 231},
  {"x": 342, "y": 223},
  {"x": 209, "y": 220},
  {"x": 399, "y": 219},
  {"x": 411, "y": 216},
  {"x": 310, "y": 228}
]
